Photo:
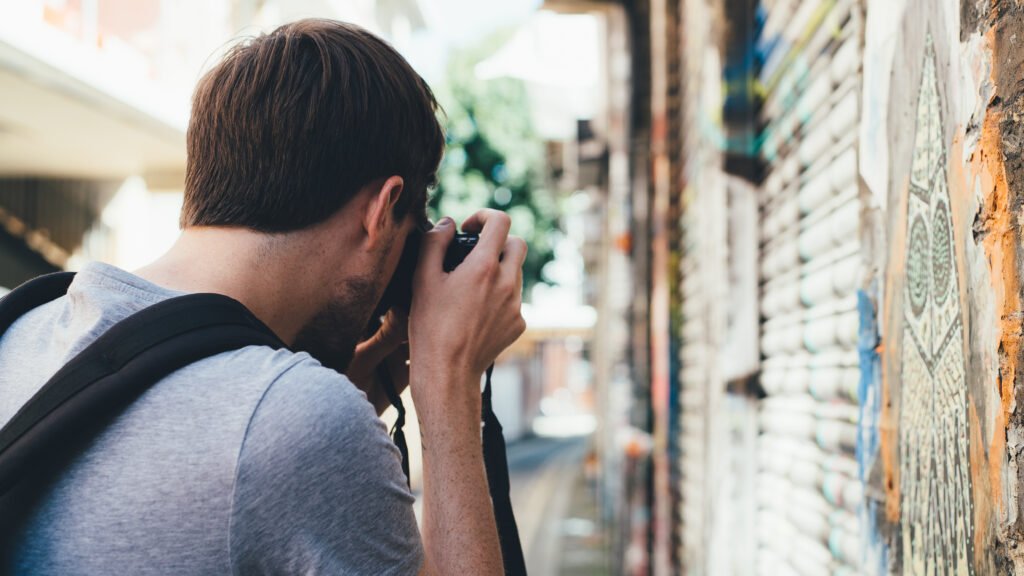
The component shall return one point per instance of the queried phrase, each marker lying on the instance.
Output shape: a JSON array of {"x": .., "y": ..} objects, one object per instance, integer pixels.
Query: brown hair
[{"x": 291, "y": 125}]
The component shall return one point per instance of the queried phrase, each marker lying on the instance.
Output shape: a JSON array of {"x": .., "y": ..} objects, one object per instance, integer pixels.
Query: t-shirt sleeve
[{"x": 319, "y": 487}]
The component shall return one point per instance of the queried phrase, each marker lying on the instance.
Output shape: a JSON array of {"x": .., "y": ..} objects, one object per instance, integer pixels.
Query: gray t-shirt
[{"x": 249, "y": 462}]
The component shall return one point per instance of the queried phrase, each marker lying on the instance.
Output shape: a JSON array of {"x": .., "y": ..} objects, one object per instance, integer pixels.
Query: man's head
[
  {"x": 319, "y": 131},
  {"x": 290, "y": 125}
]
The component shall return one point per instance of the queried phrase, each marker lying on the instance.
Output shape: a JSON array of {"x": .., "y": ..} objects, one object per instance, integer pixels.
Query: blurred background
[
  {"x": 714, "y": 193},
  {"x": 94, "y": 104}
]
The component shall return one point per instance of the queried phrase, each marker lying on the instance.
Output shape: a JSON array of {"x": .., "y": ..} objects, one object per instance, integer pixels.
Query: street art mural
[
  {"x": 935, "y": 481},
  {"x": 936, "y": 227},
  {"x": 940, "y": 444}
]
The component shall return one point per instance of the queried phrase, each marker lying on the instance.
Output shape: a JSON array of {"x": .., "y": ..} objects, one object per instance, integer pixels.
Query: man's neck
[{"x": 250, "y": 267}]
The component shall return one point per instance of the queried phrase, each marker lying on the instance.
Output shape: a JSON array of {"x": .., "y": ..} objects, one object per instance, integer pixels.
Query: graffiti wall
[
  {"x": 938, "y": 164},
  {"x": 880, "y": 420}
]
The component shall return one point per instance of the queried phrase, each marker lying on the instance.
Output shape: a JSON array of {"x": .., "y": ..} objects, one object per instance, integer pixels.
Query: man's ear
[{"x": 379, "y": 216}]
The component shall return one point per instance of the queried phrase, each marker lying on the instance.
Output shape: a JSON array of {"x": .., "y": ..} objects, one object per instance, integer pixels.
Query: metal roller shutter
[{"x": 807, "y": 489}]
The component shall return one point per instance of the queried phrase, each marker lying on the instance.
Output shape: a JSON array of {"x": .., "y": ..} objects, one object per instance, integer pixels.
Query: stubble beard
[{"x": 331, "y": 336}]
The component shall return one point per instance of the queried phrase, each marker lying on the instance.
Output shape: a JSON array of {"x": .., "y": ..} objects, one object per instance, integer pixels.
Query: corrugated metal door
[
  {"x": 702, "y": 269},
  {"x": 810, "y": 267}
]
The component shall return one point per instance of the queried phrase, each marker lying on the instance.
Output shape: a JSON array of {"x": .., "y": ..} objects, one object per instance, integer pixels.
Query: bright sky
[
  {"x": 456, "y": 23},
  {"x": 468, "y": 20}
]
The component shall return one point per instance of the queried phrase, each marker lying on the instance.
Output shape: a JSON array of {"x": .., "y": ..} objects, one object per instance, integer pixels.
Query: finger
[
  {"x": 513, "y": 259},
  {"x": 493, "y": 227},
  {"x": 373, "y": 351},
  {"x": 435, "y": 243},
  {"x": 392, "y": 334},
  {"x": 395, "y": 328},
  {"x": 514, "y": 253}
]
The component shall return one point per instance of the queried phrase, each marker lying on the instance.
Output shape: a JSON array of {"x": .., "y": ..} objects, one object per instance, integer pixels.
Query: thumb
[{"x": 435, "y": 244}]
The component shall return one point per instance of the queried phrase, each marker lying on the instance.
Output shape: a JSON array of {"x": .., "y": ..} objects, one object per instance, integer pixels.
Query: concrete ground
[{"x": 556, "y": 508}]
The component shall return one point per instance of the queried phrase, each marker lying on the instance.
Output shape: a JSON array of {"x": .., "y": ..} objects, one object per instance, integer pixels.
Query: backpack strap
[
  {"x": 136, "y": 353},
  {"x": 32, "y": 294},
  {"x": 102, "y": 380}
]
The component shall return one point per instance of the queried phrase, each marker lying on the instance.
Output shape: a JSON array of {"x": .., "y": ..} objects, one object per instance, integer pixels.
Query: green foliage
[{"x": 493, "y": 159}]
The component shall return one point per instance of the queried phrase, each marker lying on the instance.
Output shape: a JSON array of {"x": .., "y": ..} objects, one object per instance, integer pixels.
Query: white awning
[{"x": 70, "y": 111}]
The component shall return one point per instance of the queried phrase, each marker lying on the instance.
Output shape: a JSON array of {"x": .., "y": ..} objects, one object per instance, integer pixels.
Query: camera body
[
  {"x": 398, "y": 294},
  {"x": 461, "y": 246}
]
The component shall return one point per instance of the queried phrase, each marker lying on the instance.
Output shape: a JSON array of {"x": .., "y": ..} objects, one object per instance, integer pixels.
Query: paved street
[{"x": 546, "y": 476}]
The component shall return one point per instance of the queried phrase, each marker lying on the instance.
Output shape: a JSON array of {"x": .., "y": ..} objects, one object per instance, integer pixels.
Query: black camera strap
[
  {"x": 495, "y": 462},
  {"x": 397, "y": 432}
]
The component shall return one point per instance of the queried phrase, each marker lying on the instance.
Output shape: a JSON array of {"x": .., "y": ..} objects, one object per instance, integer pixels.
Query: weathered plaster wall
[
  {"x": 941, "y": 147},
  {"x": 996, "y": 172}
]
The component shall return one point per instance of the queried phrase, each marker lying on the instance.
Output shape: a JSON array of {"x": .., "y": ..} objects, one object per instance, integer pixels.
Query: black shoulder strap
[
  {"x": 102, "y": 380},
  {"x": 32, "y": 294},
  {"x": 84, "y": 395}
]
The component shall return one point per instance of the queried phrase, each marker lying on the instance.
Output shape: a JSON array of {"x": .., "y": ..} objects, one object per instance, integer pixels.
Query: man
[{"x": 310, "y": 151}]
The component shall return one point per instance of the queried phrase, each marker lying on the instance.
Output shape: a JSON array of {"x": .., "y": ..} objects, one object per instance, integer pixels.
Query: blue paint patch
[
  {"x": 869, "y": 395},
  {"x": 869, "y": 392}
]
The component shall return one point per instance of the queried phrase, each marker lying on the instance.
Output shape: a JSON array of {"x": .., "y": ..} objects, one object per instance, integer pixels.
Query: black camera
[
  {"x": 460, "y": 247},
  {"x": 398, "y": 294}
]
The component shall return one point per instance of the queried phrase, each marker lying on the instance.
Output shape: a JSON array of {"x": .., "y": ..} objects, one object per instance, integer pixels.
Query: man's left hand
[{"x": 389, "y": 346}]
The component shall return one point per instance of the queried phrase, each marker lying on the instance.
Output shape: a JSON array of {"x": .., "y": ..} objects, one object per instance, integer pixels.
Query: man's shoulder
[
  {"x": 304, "y": 408},
  {"x": 294, "y": 387},
  {"x": 319, "y": 484}
]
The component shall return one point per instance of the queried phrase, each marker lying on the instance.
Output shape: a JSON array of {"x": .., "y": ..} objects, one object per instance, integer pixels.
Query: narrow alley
[{"x": 773, "y": 290}]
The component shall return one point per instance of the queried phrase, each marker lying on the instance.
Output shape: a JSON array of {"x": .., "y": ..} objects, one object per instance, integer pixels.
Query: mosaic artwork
[{"x": 935, "y": 506}]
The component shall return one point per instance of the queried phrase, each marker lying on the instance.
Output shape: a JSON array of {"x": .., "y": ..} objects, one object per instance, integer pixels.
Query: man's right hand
[
  {"x": 459, "y": 323},
  {"x": 464, "y": 318}
]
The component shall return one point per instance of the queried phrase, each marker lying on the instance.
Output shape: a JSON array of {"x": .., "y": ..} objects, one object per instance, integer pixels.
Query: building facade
[
  {"x": 94, "y": 104},
  {"x": 824, "y": 237}
]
